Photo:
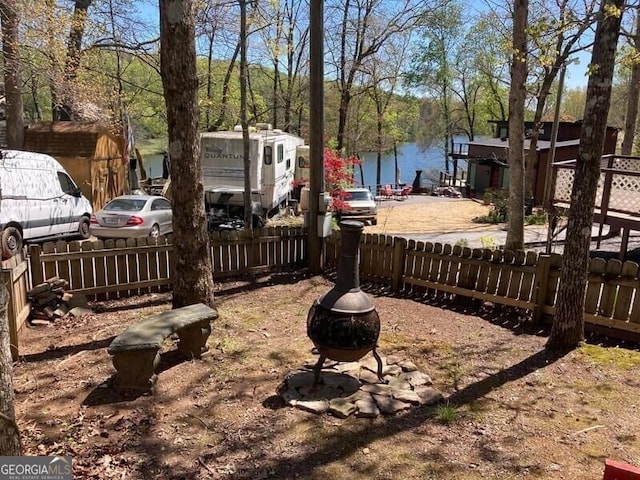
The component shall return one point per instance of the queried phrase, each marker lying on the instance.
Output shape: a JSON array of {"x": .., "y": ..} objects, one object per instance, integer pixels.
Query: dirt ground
[{"x": 512, "y": 410}]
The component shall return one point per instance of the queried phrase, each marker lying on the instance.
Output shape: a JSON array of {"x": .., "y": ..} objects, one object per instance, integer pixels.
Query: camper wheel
[
  {"x": 11, "y": 242},
  {"x": 84, "y": 229}
]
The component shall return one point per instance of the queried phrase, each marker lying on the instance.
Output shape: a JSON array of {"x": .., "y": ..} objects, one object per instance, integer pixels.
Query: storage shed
[{"x": 90, "y": 151}]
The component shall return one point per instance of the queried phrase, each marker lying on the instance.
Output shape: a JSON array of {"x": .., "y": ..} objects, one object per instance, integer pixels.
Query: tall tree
[
  {"x": 67, "y": 110},
  {"x": 568, "y": 323},
  {"x": 10, "y": 444},
  {"x": 364, "y": 26},
  {"x": 633, "y": 91},
  {"x": 192, "y": 272},
  {"x": 12, "y": 78},
  {"x": 558, "y": 32},
  {"x": 517, "y": 96}
]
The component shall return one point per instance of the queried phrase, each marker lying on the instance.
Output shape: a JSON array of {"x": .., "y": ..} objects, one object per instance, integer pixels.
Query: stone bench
[{"x": 136, "y": 350}]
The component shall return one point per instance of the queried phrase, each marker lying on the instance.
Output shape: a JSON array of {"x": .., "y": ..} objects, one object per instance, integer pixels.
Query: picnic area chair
[
  {"x": 404, "y": 193},
  {"x": 386, "y": 191}
]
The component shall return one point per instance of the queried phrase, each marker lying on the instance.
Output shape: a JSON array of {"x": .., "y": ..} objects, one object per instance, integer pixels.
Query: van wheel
[
  {"x": 155, "y": 231},
  {"x": 83, "y": 229},
  {"x": 11, "y": 242}
]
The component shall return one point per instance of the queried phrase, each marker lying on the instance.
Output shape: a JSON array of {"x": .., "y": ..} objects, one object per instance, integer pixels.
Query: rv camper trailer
[{"x": 273, "y": 159}]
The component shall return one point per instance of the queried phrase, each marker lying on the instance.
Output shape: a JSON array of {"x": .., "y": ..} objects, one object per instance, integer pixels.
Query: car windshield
[
  {"x": 125, "y": 205},
  {"x": 359, "y": 195}
]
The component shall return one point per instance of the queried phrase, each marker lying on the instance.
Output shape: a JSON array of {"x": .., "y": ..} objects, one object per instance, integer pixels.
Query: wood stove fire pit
[{"x": 344, "y": 324}]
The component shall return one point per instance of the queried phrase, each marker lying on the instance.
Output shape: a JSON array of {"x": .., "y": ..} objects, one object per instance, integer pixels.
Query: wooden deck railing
[{"x": 523, "y": 280}]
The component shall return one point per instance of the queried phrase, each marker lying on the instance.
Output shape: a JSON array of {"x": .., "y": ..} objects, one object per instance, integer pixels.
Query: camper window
[
  {"x": 280, "y": 153},
  {"x": 268, "y": 155},
  {"x": 66, "y": 183}
]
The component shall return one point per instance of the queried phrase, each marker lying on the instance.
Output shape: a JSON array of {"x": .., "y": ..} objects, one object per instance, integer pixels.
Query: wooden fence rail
[{"x": 518, "y": 279}]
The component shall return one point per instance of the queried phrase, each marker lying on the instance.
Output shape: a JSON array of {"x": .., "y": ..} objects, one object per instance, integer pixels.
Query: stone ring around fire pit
[{"x": 352, "y": 388}]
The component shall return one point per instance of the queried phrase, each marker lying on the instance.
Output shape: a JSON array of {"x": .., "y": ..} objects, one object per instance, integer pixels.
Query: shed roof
[{"x": 64, "y": 139}]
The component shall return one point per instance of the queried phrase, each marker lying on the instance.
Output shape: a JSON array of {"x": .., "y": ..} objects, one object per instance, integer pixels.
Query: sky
[{"x": 575, "y": 76}]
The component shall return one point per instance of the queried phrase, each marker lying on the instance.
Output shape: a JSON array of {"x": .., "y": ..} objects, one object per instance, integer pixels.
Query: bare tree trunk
[
  {"x": 226, "y": 85},
  {"x": 192, "y": 275},
  {"x": 10, "y": 444},
  {"x": 568, "y": 324},
  {"x": 515, "y": 232},
  {"x": 246, "y": 145},
  {"x": 633, "y": 95},
  {"x": 66, "y": 111},
  {"x": 12, "y": 81}
]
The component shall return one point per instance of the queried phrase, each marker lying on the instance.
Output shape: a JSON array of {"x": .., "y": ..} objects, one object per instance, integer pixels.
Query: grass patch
[
  {"x": 617, "y": 357},
  {"x": 445, "y": 414}
]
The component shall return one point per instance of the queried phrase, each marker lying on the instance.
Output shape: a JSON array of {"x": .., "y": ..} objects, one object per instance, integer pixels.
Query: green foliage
[
  {"x": 536, "y": 218},
  {"x": 488, "y": 242},
  {"x": 499, "y": 208},
  {"x": 445, "y": 413}
]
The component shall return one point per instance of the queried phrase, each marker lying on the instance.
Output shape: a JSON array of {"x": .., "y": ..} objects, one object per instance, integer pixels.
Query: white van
[{"x": 38, "y": 199}]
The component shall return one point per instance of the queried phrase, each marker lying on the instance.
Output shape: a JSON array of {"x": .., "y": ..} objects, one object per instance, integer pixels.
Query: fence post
[
  {"x": 541, "y": 283},
  {"x": 36, "y": 267},
  {"x": 398, "y": 263}
]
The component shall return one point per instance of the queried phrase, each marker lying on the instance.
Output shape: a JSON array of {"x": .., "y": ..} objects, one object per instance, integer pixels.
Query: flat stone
[
  {"x": 359, "y": 395},
  {"x": 406, "y": 396},
  {"x": 370, "y": 363},
  {"x": 416, "y": 378},
  {"x": 408, "y": 366},
  {"x": 341, "y": 408},
  {"x": 313, "y": 406},
  {"x": 347, "y": 367},
  {"x": 428, "y": 395},
  {"x": 393, "y": 359},
  {"x": 300, "y": 379},
  {"x": 290, "y": 397},
  {"x": 367, "y": 376},
  {"x": 397, "y": 383},
  {"x": 388, "y": 405},
  {"x": 378, "y": 389},
  {"x": 367, "y": 408}
]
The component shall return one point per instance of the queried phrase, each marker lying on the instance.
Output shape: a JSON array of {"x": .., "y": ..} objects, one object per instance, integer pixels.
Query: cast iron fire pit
[{"x": 343, "y": 324}]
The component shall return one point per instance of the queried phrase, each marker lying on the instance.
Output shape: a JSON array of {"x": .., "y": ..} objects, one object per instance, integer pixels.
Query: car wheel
[
  {"x": 155, "y": 231},
  {"x": 84, "y": 229},
  {"x": 374, "y": 221},
  {"x": 11, "y": 242}
]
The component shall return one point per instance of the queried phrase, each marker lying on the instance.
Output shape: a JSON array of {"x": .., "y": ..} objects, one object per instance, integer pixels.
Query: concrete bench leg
[
  {"x": 193, "y": 339},
  {"x": 136, "y": 368}
]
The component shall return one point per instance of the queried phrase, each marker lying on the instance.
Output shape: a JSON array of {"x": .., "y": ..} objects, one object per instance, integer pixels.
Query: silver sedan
[{"x": 133, "y": 216}]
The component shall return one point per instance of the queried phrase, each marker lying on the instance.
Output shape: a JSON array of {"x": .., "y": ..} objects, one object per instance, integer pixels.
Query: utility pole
[{"x": 316, "y": 134}]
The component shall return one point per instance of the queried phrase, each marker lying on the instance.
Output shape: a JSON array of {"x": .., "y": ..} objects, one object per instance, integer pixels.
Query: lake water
[{"x": 410, "y": 158}]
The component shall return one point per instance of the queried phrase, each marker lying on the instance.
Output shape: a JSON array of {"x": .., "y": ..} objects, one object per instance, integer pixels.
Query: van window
[
  {"x": 268, "y": 155},
  {"x": 280, "y": 153},
  {"x": 66, "y": 183},
  {"x": 288, "y": 163}
]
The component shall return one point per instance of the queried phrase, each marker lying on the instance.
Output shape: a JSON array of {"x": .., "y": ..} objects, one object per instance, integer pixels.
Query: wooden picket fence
[
  {"x": 524, "y": 280},
  {"x": 120, "y": 268},
  {"x": 14, "y": 274}
]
